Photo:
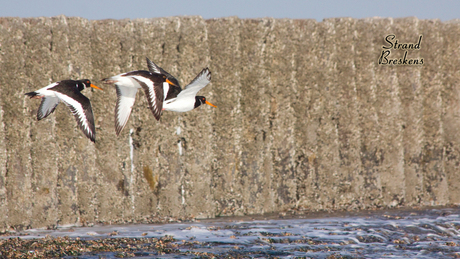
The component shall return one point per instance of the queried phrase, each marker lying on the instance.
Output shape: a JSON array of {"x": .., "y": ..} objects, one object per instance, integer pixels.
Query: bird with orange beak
[
  {"x": 69, "y": 92},
  {"x": 162, "y": 90}
]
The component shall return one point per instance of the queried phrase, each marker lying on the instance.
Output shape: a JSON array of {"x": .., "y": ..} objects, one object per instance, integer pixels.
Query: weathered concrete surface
[{"x": 306, "y": 119}]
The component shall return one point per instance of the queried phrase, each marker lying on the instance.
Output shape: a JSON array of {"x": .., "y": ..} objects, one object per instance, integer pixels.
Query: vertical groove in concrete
[
  {"x": 389, "y": 112},
  {"x": 367, "y": 47},
  {"x": 15, "y": 33},
  {"x": 255, "y": 101},
  {"x": 327, "y": 132},
  {"x": 282, "y": 90},
  {"x": 451, "y": 108},
  {"x": 409, "y": 78},
  {"x": 3, "y": 140},
  {"x": 347, "y": 114},
  {"x": 306, "y": 109},
  {"x": 225, "y": 53},
  {"x": 435, "y": 181}
]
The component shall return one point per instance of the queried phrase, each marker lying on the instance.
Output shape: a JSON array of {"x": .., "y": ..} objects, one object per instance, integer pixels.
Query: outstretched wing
[
  {"x": 200, "y": 81},
  {"x": 127, "y": 85},
  {"x": 47, "y": 106},
  {"x": 153, "y": 68},
  {"x": 125, "y": 101},
  {"x": 153, "y": 88},
  {"x": 82, "y": 111}
]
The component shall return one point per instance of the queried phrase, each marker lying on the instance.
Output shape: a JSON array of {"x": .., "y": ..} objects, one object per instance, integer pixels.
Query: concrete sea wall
[{"x": 307, "y": 118}]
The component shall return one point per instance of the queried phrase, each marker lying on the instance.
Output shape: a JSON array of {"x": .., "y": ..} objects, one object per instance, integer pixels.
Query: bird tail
[{"x": 32, "y": 94}]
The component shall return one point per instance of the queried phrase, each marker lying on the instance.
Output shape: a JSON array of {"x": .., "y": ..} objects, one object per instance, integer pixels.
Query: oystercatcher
[
  {"x": 162, "y": 90},
  {"x": 179, "y": 100},
  {"x": 68, "y": 91}
]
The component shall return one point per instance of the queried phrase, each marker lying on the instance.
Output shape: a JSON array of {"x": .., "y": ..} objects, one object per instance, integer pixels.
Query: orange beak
[
  {"x": 93, "y": 86},
  {"x": 169, "y": 82},
  {"x": 208, "y": 103}
]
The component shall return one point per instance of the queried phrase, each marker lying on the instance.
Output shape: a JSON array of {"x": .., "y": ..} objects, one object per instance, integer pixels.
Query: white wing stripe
[
  {"x": 153, "y": 67},
  {"x": 46, "y": 92},
  {"x": 144, "y": 80},
  {"x": 165, "y": 90},
  {"x": 77, "y": 109},
  {"x": 150, "y": 86}
]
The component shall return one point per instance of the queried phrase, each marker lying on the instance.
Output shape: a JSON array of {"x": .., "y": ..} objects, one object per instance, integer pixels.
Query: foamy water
[{"x": 430, "y": 233}]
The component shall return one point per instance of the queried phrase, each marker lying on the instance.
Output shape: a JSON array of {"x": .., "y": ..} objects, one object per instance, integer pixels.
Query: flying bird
[
  {"x": 179, "y": 100},
  {"x": 162, "y": 90},
  {"x": 69, "y": 92}
]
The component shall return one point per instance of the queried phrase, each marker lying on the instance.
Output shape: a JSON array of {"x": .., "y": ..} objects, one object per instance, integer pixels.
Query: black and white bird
[
  {"x": 162, "y": 90},
  {"x": 179, "y": 100},
  {"x": 69, "y": 92}
]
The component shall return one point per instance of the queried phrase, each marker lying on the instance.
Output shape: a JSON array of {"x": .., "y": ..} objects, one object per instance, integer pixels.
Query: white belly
[{"x": 181, "y": 105}]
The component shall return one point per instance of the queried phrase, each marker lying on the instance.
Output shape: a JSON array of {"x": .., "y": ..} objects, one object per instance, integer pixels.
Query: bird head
[
  {"x": 86, "y": 83},
  {"x": 201, "y": 100},
  {"x": 172, "y": 81}
]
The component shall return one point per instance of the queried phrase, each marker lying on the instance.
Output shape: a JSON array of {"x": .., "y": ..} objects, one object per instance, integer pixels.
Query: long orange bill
[
  {"x": 93, "y": 86},
  {"x": 208, "y": 103},
  {"x": 169, "y": 82}
]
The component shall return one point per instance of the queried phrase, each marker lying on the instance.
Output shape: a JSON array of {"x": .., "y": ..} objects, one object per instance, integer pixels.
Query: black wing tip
[
  {"x": 118, "y": 127},
  {"x": 89, "y": 134},
  {"x": 153, "y": 68},
  {"x": 118, "y": 131},
  {"x": 157, "y": 116},
  {"x": 156, "y": 113},
  {"x": 208, "y": 72},
  {"x": 149, "y": 62}
]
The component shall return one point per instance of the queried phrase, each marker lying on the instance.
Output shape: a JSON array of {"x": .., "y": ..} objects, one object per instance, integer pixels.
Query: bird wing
[
  {"x": 81, "y": 109},
  {"x": 153, "y": 85},
  {"x": 153, "y": 89},
  {"x": 125, "y": 101},
  {"x": 47, "y": 106},
  {"x": 155, "y": 69},
  {"x": 200, "y": 81}
]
